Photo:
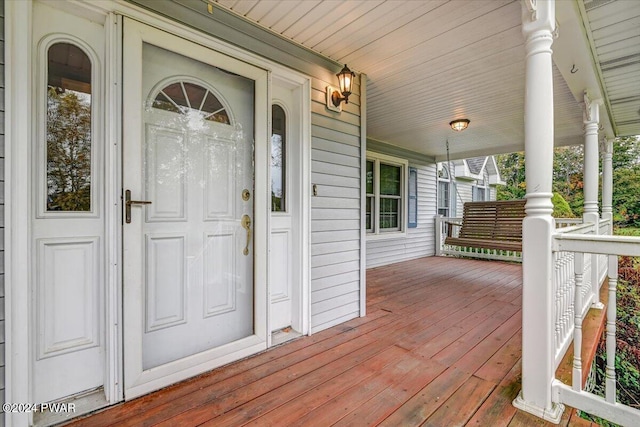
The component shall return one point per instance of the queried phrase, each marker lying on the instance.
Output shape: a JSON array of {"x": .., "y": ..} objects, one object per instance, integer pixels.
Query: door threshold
[
  {"x": 284, "y": 335},
  {"x": 70, "y": 407}
]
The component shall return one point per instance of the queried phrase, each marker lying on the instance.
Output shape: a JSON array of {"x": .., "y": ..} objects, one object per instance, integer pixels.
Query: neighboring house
[
  {"x": 184, "y": 185},
  {"x": 475, "y": 179}
]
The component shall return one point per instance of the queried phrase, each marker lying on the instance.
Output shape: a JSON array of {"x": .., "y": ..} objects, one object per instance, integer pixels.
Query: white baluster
[
  {"x": 577, "y": 328},
  {"x": 610, "y": 388},
  {"x": 557, "y": 276},
  {"x": 607, "y": 184}
]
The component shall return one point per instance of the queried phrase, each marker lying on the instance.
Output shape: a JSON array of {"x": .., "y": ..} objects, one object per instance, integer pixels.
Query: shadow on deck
[{"x": 440, "y": 346}]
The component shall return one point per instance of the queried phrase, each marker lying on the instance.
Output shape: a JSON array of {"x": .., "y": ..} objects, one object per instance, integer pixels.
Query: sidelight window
[
  {"x": 68, "y": 129},
  {"x": 278, "y": 158}
]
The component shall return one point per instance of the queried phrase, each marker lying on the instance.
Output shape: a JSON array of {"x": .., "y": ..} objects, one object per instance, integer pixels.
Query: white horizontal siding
[
  {"x": 464, "y": 194},
  {"x": 419, "y": 241},
  {"x": 336, "y": 280},
  {"x": 334, "y": 316},
  {"x": 335, "y": 210}
]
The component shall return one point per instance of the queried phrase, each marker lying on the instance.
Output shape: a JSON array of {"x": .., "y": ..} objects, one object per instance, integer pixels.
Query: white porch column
[
  {"x": 590, "y": 179},
  {"x": 607, "y": 183},
  {"x": 538, "y": 344},
  {"x": 591, "y": 119}
]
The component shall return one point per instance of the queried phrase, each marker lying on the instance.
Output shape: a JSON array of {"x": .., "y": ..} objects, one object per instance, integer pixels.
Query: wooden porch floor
[{"x": 440, "y": 346}]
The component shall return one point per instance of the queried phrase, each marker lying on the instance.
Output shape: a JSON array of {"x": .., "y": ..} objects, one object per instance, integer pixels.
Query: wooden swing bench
[{"x": 489, "y": 225}]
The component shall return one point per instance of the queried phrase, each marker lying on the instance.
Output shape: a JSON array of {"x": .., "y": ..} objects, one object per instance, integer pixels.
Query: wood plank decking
[{"x": 440, "y": 346}]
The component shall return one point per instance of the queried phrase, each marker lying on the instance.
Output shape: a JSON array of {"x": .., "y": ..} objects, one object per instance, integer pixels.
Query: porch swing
[{"x": 491, "y": 225}]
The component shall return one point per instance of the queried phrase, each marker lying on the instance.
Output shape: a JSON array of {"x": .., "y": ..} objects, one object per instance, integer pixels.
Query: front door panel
[
  {"x": 189, "y": 253},
  {"x": 67, "y": 210},
  {"x": 197, "y": 274}
]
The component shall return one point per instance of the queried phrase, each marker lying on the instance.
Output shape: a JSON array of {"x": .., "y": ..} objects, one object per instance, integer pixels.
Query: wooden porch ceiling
[{"x": 440, "y": 345}]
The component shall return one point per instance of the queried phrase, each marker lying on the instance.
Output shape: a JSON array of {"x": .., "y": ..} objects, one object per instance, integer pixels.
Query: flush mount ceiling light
[
  {"x": 459, "y": 125},
  {"x": 336, "y": 96}
]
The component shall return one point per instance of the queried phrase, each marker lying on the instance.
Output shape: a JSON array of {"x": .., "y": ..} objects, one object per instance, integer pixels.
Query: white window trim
[
  {"x": 439, "y": 207},
  {"x": 451, "y": 199},
  {"x": 377, "y": 234},
  {"x": 485, "y": 191}
]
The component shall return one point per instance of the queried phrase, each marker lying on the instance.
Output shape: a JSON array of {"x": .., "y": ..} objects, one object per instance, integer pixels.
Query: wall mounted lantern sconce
[
  {"x": 336, "y": 96},
  {"x": 459, "y": 125}
]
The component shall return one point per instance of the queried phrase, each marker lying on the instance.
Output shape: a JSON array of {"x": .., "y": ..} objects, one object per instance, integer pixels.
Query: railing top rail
[
  {"x": 575, "y": 229},
  {"x": 596, "y": 244},
  {"x": 449, "y": 218},
  {"x": 605, "y": 220}
]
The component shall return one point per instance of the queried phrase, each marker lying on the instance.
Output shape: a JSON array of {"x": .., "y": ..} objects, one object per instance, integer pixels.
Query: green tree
[
  {"x": 626, "y": 181},
  {"x": 568, "y": 176},
  {"x": 626, "y": 196},
  {"x": 568, "y": 163},
  {"x": 68, "y": 150},
  {"x": 511, "y": 168},
  {"x": 626, "y": 152}
]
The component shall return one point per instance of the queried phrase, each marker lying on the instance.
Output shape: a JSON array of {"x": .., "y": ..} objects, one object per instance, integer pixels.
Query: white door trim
[
  {"x": 114, "y": 376},
  {"x": 363, "y": 195},
  {"x": 18, "y": 22}
]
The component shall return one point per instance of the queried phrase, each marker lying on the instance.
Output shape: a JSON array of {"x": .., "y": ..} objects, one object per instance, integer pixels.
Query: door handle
[
  {"x": 127, "y": 205},
  {"x": 245, "y": 221}
]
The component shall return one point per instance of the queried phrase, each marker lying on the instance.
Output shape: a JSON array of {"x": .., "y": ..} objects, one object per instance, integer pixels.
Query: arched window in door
[
  {"x": 278, "y": 158},
  {"x": 68, "y": 129},
  {"x": 183, "y": 97}
]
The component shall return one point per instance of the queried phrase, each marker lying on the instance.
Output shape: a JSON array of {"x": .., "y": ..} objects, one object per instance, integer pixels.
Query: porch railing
[
  {"x": 564, "y": 287},
  {"x": 572, "y": 248}
]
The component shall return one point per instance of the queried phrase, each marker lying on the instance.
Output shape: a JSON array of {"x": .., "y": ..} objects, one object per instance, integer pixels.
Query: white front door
[{"x": 194, "y": 236}]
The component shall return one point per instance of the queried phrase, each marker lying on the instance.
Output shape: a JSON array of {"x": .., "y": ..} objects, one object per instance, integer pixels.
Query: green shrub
[
  {"x": 627, "y": 231},
  {"x": 561, "y": 208},
  {"x": 627, "y": 357}
]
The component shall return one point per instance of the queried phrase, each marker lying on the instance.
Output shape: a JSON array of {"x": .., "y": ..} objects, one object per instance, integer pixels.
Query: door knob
[
  {"x": 245, "y": 222},
  {"x": 127, "y": 205}
]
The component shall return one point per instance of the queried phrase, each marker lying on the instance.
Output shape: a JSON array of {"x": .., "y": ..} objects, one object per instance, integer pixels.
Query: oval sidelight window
[{"x": 68, "y": 129}]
